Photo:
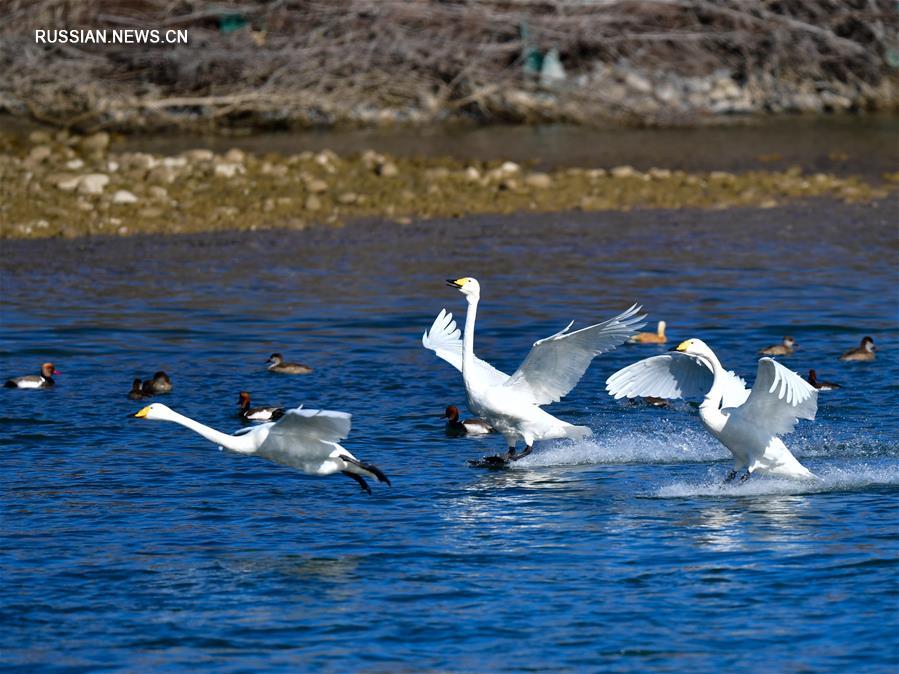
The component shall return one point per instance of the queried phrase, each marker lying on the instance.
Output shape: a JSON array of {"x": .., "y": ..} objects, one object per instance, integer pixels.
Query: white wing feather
[
  {"x": 674, "y": 375},
  {"x": 303, "y": 437},
  {"x": 779, "y": 399},
  {"x": 556, "y": 364},
  {"x": 445, "y": 339}
]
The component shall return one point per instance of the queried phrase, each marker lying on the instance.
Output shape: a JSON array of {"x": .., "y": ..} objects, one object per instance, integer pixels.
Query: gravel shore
[{"x": 59, "y": 184}]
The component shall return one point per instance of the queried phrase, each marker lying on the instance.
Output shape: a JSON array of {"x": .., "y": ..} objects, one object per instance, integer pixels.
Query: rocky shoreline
[{"x": 65, "y": 185}]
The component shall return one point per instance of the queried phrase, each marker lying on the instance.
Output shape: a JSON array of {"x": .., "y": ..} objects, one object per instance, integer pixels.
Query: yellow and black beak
[
  {"x": 140, "y": 414},
  {"x": 454, "y": 284},
  {"x": 683, "y": 346}
]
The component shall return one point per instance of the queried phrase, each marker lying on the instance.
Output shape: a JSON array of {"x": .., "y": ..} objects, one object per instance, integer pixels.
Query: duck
[
  {"x": 276, "y": 364},
  {"x": 42, "y": 380},
  {"x": 553, "y": 367},
  {"x": 657, "y": 337},
  {"x": 136, "y": 392},
  {"x": 160, "y": 383},
  {"x": 468, "y": 427},
  {"x": 821, "y": 385},
  {"x": 864, "y": 351},
  {"x": 248, "y": 413},
  {"x": 785, "y": 348},
  {"x": 304, "y": 439},
  {"x": 747, "y": 422}
]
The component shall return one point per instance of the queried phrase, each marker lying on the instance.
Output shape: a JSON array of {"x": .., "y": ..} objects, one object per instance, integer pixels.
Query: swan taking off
[
  {"x": 302, "y": 439},
  {"x": 747, "y": 422},
  {"x": 553, "y": 367}
]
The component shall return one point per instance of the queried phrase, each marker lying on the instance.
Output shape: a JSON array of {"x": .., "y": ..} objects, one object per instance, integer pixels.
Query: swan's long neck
[
  {"x": 712, "y": 400},
  {"x": 240, "y": 443},
  {"x": 468, "y": 337}
]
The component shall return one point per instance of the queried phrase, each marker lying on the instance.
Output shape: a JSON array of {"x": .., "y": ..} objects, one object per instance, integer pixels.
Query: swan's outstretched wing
[
  {"x": 303, "y": 437},
  {"x": 556, "y": 364},
  {"x": 674, "y": 375},
  {"x": 779, "y": 399},
  {"x": 445, "y": 339}
]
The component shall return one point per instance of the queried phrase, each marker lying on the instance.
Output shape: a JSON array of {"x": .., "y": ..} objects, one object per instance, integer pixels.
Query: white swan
[
  {"x": 302, "y": 439},
  {"x": 553, "y": 367},
  {"x": 747, "y": 422}
]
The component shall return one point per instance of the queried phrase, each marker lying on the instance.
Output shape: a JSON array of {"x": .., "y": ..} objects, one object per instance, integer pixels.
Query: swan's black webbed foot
[
  {"x": 731, "y": 476},
  {"x": 496, "y": 461},
  {"x": 359, "y": 479},
  {"x": 371, "y": 468},
  {"x": 515, "y": 457}
]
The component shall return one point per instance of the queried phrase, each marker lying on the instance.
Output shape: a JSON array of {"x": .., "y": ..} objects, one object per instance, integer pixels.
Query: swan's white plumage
[
  {"x": 779, "y": 399},
  {"x": 556, "y": 364},
  {"x": 304, "y": 439},
  {"x": 552, "y": 368},
  {"x": 445, "y": 339},
  {"x": 748, "y": 423},
  {"x": 674, "y": 375}
]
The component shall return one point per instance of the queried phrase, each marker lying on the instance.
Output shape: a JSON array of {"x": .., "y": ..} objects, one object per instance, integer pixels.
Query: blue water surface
[{"x": 138, "y": 546}]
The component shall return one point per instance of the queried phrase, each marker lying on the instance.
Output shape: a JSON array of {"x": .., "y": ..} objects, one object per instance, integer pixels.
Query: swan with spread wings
[
  {"x": 512, "y": 404},
  {"x": 302, "y": 439},
  {"x": 748, "y": 423}
]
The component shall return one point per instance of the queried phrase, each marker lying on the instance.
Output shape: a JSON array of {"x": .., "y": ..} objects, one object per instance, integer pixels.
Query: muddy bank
[{"x": 69, "y": 185}]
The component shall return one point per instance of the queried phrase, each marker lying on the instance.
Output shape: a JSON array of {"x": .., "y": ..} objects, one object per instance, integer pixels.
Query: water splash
[
  {"x": 845, "y": 478},
  {"x": 664, "y": 445}
]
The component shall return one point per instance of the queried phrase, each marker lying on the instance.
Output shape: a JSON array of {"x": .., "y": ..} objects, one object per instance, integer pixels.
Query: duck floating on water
[
  {"x": 136, "y": 392},
  {"x": 276, "y": 363},
  {"x": 864, "y": 351},
  {"x": 455, "y": 427},
  {"x": 160, "y": 383},
  {"x": 248, "y": 413},
  {"x": 42, "y": 380},
  {"x": 657, "y": 337},
  {"x": 821, "y": 385},
  {"x": 785, "y": 348}
]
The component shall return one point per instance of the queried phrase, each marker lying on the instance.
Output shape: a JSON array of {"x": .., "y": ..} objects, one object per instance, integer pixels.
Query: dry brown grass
[{"x": 307, "y": 61}]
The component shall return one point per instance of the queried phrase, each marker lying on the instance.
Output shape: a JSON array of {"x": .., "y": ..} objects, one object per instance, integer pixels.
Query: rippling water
[{"x": 133, "y": 545}]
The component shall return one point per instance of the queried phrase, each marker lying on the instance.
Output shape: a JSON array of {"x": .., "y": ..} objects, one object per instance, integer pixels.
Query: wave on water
[
  {"x": 844, "y": 478},
  {"x": 665, "y": 445}
]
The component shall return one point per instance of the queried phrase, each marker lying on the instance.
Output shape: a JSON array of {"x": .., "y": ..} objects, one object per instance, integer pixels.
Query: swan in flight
[
  {"x": 302, "y": 439},
  {"x": 553, "y": 367},
  {"x": 747, "y": 422}
]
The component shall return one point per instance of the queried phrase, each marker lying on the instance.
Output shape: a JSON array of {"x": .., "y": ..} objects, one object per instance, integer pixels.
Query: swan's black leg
[
  {"x": 495, "y": 461},
  {"x": 374, "y": 470},
  {"x": 359, "y": 479},
  {"x": 730, "y": 476},
  {"x": 527, "y": 450},
  {"x": 744, "y": 477}
]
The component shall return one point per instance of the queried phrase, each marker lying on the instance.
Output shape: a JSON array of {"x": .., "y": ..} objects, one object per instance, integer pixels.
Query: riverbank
[{"x": 69, "y": 185}]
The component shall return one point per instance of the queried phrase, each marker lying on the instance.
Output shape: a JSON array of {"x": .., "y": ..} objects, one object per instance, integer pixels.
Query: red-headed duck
[
  {"x": 248, "y": 413},
  {"x": 42, "y": 380},
  {"x": 468, "y": 427},
  {"x": 821, "y": 385}
]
